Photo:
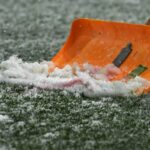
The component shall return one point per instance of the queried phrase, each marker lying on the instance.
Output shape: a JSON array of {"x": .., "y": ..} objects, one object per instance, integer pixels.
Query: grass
[{"x": 35, "y": 30}]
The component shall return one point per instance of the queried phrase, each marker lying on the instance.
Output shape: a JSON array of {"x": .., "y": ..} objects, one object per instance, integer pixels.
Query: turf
[{"x": 35, "y": 30}]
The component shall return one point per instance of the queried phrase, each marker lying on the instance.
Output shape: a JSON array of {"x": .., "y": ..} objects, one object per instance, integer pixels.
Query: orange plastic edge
[{"x": 98, "y": 42}]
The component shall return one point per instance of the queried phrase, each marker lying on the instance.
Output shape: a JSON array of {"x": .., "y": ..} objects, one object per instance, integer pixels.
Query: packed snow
[{"x": 91, "y": 80}]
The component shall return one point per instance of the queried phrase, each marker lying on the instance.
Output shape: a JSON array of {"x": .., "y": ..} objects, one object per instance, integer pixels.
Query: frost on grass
[
  {"x": 126, "y": 1},
  {"x": 91, "y": 81},
  {"x": 4, "y": 118},
  {"x": 2, "y": 147}
]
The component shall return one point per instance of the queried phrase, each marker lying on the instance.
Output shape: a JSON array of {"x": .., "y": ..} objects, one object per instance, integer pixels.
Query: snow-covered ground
[
  {"x": 35, "y": 30},
  {"x": 4, "y": 118}
]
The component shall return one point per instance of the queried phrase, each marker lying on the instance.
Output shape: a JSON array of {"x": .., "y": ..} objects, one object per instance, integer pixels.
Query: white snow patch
[
  {"x": 4, "y": 118},
  {"x": 20, "y": 124},
  {"x": 51, "y": 135},
  {"x": 96, "y": 123},
  {"x": 85, "y": 103},
  {"x": 15, "y": 71}
]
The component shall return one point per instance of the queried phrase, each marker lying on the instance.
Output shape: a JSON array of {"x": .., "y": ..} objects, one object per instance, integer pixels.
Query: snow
[
  {"x": 90, "y": 82},
  {"x": 51, "y": 135},
  {"x": 126, "y": 1},
  {"x": 96, "y": 123},
  {"x": 2, "y": 147},
  {"x": 4, "y": 118}
]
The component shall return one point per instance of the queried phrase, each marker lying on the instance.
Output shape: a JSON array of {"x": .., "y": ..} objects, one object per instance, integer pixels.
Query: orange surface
[{"x": 98, "y": 42}]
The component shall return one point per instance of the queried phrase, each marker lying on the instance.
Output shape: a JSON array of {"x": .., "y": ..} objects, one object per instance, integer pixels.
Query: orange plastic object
[{"x": 98, "y": 42}]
